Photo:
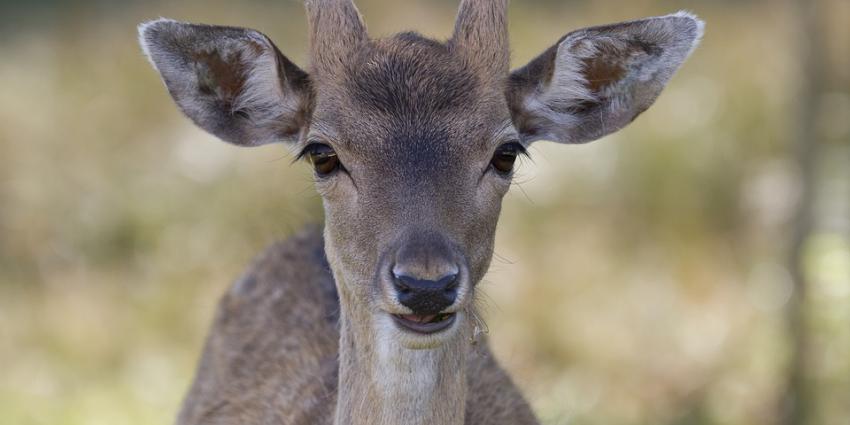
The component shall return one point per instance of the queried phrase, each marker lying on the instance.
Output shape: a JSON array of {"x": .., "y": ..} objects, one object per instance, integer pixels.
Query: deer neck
[{"x": 383, "y": 383}]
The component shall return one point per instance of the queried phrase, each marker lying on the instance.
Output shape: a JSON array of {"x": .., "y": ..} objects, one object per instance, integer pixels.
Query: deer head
[{"x": 413, "y": 141}]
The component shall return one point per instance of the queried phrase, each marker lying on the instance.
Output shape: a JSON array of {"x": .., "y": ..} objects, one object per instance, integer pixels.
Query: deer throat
[{"x": 383, "y": 383}]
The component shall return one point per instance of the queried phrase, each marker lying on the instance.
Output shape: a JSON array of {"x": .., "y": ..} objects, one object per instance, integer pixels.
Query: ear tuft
[
  {"x": 692, "y": 24},
  {"x": 147, "y": 30}
]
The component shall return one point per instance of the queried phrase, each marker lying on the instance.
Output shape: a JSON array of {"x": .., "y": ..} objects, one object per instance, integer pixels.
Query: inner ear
[
  {"x": 232, "y": 82},
  {"x": 611, "y": 72},
  {"x": 601, "y": 73},
  {"x": 220, "y": 77},
  {"x": 596, "y": 80},
  {"x": 620, "y": 64}
]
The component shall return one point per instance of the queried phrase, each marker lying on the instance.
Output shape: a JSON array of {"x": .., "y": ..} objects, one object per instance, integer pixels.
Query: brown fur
[
  {"x": 311, "y": 333},
  {"x": 286, "y": 307}
]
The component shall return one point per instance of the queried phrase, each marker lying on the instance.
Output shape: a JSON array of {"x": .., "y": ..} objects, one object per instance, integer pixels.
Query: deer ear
[
  {"x": 232, "y": 82},
  {"x": 596, "y": 80}
]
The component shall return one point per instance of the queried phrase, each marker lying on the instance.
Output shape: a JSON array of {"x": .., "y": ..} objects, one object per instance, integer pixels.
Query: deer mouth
[{"x": 425, "y": 323}]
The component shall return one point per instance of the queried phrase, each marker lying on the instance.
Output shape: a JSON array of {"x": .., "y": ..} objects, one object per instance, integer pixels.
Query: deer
[{"x": 373, "y": 317}]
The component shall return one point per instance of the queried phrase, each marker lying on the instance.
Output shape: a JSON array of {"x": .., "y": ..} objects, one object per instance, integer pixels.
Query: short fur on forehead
[
  {"x": 410, "y": 90},
  {"x": 409, "y": 74}
]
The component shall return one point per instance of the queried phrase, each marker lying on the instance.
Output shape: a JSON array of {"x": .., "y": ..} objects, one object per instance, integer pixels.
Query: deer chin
[{"x": 420, "y": 332}]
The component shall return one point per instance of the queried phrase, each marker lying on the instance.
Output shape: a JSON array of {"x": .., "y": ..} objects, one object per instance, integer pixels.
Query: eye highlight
[
  {"x": 323, "y": 158},
  {"x": 505, "y": 157}
]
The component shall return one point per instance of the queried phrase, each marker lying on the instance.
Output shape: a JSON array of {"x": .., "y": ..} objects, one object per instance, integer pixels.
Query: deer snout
[
  {"x": 426, "y": 296},
  {"x": 426, "y": 276}
]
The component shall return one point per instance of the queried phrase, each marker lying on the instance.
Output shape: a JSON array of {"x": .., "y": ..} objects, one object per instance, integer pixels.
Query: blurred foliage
[{"x": 641, "y": 279}]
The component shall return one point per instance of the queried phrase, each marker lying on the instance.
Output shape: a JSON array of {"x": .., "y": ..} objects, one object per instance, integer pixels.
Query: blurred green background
[{"x": 691, "y": 269}]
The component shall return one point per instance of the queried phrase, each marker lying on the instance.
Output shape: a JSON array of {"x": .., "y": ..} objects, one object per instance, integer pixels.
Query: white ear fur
[
  {"x": 144, "y": 29},
  {"x": 254, "y": 105},
  {"x": 557, "y": 98}
]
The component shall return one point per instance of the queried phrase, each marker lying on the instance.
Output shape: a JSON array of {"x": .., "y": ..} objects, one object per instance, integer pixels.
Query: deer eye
[
  {"x": 505, "y": 157},
  {"x": 323, "y": 157}
]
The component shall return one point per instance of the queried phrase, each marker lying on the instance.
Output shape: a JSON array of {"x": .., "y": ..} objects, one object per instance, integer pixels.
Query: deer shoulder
[{"x": 271, "y": 355}]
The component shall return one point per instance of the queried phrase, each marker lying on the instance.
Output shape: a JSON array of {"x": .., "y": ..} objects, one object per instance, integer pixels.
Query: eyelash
[
  {"x": 509, "y": 152},
  {"x": 302, "y": 155},
  {"x": 323, "y": 158}
]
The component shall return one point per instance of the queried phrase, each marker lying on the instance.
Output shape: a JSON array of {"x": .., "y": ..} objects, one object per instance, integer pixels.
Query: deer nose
[{"x": 424, "y": 296}]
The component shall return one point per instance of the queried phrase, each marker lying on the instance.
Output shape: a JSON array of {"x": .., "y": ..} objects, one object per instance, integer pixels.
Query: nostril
[
  {"x": 426, "y": 296},
  {"x": 448, "y": 283},
  {"x": 451, "y": 281},
  {"x": 410, "y": 283},
  {"x": 401, "y": 282}
]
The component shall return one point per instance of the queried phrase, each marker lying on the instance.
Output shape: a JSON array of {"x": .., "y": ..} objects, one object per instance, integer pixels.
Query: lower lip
[{"x": 424, "y": 328}]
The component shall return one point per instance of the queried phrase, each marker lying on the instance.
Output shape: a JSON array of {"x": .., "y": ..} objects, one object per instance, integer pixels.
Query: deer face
[
  {"x": 413, "y": 141},
  {"x": 422, "y": 152}
]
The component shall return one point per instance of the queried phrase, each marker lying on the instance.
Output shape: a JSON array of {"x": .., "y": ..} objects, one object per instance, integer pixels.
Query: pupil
[
  {"x": 323, "y": 162},
  {"x": 504, "y": 160}
]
